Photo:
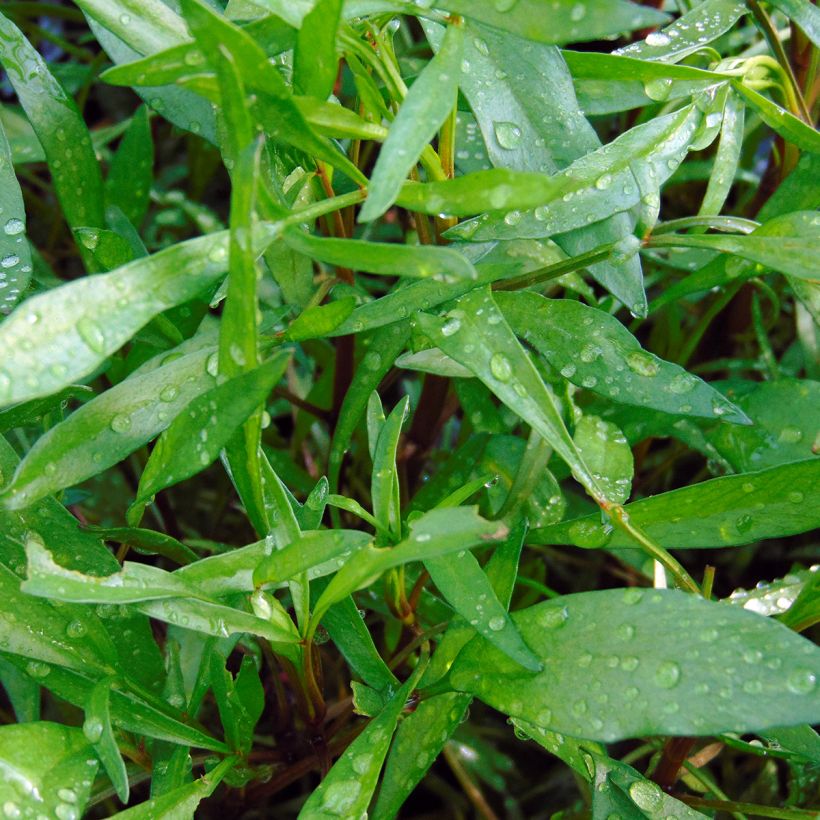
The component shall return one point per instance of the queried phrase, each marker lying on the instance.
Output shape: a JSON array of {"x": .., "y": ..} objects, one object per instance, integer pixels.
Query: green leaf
[
  {"x": 650, "y": 676},
  {"x": 349, "y": 785},
  {"x": 466, "y": 588},
  {"x": 59, "y": 127},
  {"x": 62, "y": 335},
  {"x": 776, "y": 597},
  {"x": 604, "y": 182},
  {"x": 689, "y": 33},
  {"x": 476, "y": 335},
  {"x": 436, "y": 533},
  {"x": 384, "y": 482},
  {"x": 106, "y": 429},
  {"x": 532, "y": 122},
  {"x": 786, "y": 416},
  {"x": 315, "y": 62},
  {"x": 320, "y": 320},
  {"x": 722, "y": 512},
  {"x": 727, "y": 157},
  {"x": 804, "y": 14},
  {"x": 15, "y": 256},
  {"x": 786, "y": 243},
  {"x": 606, "y": 452},
  {"x": 426, "y": 106},
  {"x": 781, "y": 121},
  {"x": 99, "y": 733},
  {"x": 182, "y": 801},
  {"x": 196, "y": 436},
  {"x": 567, "y": 21},
  {"x": 595, "y": 351},
  {"x": 380, "y": 257},
  {"x": 130, "y": 176},
  {"x": 47, "y": 769}
]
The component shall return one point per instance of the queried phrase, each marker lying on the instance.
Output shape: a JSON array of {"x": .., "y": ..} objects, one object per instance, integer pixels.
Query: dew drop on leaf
[
  {"x": 91, "y": 333},
  {"x": 500, "y": 367},
  {"x": 508, "y": 134},
  {"x": 642, "y": 363},
  {"x": 667, "y": 674}
]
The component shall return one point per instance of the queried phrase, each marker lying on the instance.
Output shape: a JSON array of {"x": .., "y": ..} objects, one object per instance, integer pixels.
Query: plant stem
[{"x": 732, "y": 806}]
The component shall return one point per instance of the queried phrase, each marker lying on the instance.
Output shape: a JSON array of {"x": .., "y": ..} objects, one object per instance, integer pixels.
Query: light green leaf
[
  {"x": 15, "y": 256},
  {"x": 349, "y": 785},
  {"x": 722, "y": 512},
  {"x": 727, "y": 157},
  {"x": 384, "y": 482},
  {"x": 652, "y": 676},
  {"x": 99, "y": 733},
  {"x": 427, "y": 104},
  {"x": 568, "y": 21},
  {"x": 196, "y": 436},
  {"x": 606, "y": 452},
  {"x": 417, "y": 261},
  {"x": 182, "y": 801},
  {"x": 775, "y": 597},
  {"x": 58, "y": 337},
  {"x": 787, "y": 244},
  {"x": 59, "y": 128},
  {"x": 476, "y": 335},
  {"x": 54, "y": 782},
  {"x": 320, "y": 320},
  {"x": 130, "y": 176},
  {"x": 315, "y": 62},
  {"x": 595, "y": 351},
  {"x": 435, "y": 362},
  {"x": 781, "y": 121},
  {"x": 594, "y": 187},
  {"x": 689, "y": 33},
  {"x": 106, "y": 429},
  {"x": 806, "y": 15}
]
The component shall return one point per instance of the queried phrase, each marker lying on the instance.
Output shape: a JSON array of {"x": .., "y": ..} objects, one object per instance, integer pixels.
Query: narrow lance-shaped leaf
[
  {"x": 417, "y": 261},
  {"x": 349, "y": 785},
  {"x": 384, "y": 483},
  {"x": 805, "y": 14},
  {"x": 100, "y": 734},
  {"x": 689, "y": 33},
  {"x": 567, "y": 22},
  {"x": 15, "y": 256},
  {"x": 651, "y": 676},
  {"x": 787, "y": 244},
  {"x": 727, "y": 157},
  {"x": 106, "y": 429},
  {"x": 722, "y": 512},
  {"x": 45, "y": 356},
  {"x": 593, "y": 188},
  {"x": 315, "y": 62},
  {"x": 195, "y": 437},
  {"x": 427, "y": 104},
  {"x": 477, "y": 336},
  {"x": 131, "y": 173},
  {"x": 595, "y": 351},
  {"x": 606, "y": 452},
  {"x": 59, "y": 128}
]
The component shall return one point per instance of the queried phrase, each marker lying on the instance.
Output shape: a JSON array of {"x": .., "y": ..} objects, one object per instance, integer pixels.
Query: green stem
[
  {"x": 694, "y": 338},
  {"x": 620, "y": 518},
  {"x": 733, "y": 806},
  {"x": 536, "y": 277}
]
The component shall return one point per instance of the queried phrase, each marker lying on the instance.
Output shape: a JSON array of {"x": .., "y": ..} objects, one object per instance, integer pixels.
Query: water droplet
[
  {"x": 14, "y": 227},
  {"x": 67, "y": 795},
  {"x": 451, "y": 326},
  {"x": 11, "y": 810},
  {"x": 361, "y": 763},
  {"x": 579, "y": 707},
  {"x": 589, "y": 353},
  {"x": 744, "y": 523},
  {"x": 790, "y": 435},
  {"x": 500, "y": 367},
  {"x": 64, "y": 811},
  {"x": 92, "y": 729},
  {"x": 796, "y": 497},
  {"x": 497, "y": 623},
  {"x": 709, "y": 635},
  {"x": 504, "y": 5},
  {"x": 37, "y": 669},
  {"x": 667, "y": 674},
  {"x": 752, "y": 687},
  {"x": 169, "y": 392},
  {"x": 553, "y": 617},
  {"x": 642, "y": 363},
  {"x": 626, "y": 632},
  {"x": 568, "y": 371},
  {"x": 657, "y": 39},
  {"x": 76, "y": 629},
  {"x": 121, "y": 423},
  {"x": 508, "y": 134},
  {"x": 682, "y": 383},
  {"x": 630, "y": 663},
  {"x": 588, "y": 535},
  {"x": 801, "y": 681},
  {"x": 9, "y": 261},
  {"x": 212, "y": 365},
  {"x": 91, "y": 333},
  {"x": 646, "y": 795},
  {"x": 578, "y": 12},
  {"x": 603, "y": 182}
]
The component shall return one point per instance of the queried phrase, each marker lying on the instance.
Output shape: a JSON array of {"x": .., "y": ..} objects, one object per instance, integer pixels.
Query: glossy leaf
[
  {"x": 15, "y": 256},
  {"x": 424, "y": 109},
  {"x": 182, "y": 801},
  {"x": 722, "y": 512},
  {"x": 48, "y": 355},
  {"x": 130, "y": 176},
  {"x": 691, "y": 32},
  {"x": 106, "y": 429},
  {"x": 54, "y": 781},
  {"x": 804, "y": 14},
  {"x": 314, "y": 57},
  {"x": 384, "y": 485},
  {"x": 99, "y": 733},
  {"x": 380, "y": 257},
  {"x": 595, "y": 351},
  {"x": 476, "y": 335},
  {"x": 195, "y": 437},
  {"x": 606, "y": 452},
  {"x": 320, "y": 320},
  {"x": 567, "y": 22},
  {"x": 727, "y": 157},
  {"x": 651, "y": 675}
]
